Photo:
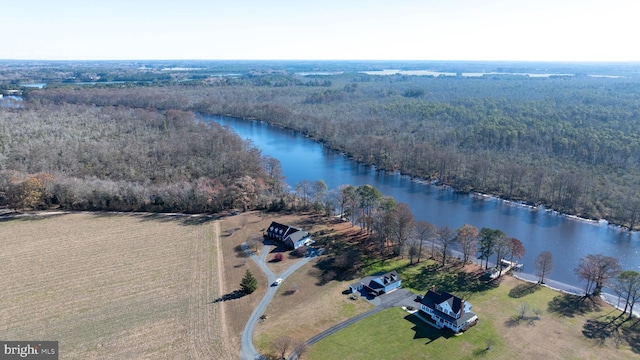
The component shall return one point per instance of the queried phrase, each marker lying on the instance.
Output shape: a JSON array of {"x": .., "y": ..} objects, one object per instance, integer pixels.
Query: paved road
[{"x": 248, "y": 351}]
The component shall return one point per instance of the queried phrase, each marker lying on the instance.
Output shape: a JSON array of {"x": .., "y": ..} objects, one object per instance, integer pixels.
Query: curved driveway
[
  {"x": 248, "y": 351},
  {"x": 399, "y": 297}
]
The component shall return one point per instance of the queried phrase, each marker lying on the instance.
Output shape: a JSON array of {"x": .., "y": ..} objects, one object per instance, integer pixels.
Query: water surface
[{"x": 568, "y": 239}]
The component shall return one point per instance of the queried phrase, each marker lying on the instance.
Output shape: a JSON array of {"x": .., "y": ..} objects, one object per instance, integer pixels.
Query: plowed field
[{"x": 115, "y": 286}]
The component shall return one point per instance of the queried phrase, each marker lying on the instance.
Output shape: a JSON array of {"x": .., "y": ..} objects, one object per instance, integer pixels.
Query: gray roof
[
  {"x": 378, "y": 281},
  {"x": 432, "y": 298},
  {"x": 298, "y": 235},
  {"x": 281, "y": 229}
]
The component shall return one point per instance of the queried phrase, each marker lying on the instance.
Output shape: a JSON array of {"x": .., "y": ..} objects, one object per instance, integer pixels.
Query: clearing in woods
[{"x": 134, "y": 286}]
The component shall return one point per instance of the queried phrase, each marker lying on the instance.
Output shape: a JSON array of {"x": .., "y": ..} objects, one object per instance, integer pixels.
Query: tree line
[
  {"x": 566, "y": 143},
  {"x": 83, "y": 157}
]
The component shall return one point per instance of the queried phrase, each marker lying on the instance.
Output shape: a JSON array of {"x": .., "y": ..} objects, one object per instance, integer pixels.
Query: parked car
[{"x": 277, "y": 282}]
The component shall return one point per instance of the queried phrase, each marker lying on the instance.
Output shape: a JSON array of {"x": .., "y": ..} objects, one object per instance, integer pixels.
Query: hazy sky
[{"x": 554, "y": 30}]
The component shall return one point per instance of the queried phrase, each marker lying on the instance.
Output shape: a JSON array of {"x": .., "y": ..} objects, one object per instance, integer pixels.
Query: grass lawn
[
  {"x": 396, "y": 334},
  {"x": 554, "y": 326}
]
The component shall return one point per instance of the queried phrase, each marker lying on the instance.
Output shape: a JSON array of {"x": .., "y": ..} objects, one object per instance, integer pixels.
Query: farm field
[{"x": 118, "y": 286}]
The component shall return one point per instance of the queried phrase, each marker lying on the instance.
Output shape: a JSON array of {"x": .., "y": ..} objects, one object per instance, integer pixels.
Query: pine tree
[{"x": 248, "y": 283}]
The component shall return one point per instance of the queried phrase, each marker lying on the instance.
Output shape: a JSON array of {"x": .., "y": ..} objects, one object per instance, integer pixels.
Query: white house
[{"x": 447, "y": 310}]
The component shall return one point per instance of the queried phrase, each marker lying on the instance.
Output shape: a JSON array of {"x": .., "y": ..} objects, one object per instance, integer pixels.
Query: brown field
[{"x": 118, "y": 286}]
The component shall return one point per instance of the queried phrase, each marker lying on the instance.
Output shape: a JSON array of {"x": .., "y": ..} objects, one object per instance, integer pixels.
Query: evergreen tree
[{"x": 249, "y": 283}]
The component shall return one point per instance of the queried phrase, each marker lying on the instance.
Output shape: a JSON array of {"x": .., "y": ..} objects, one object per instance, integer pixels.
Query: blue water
[{"x": 539, "y": 230}]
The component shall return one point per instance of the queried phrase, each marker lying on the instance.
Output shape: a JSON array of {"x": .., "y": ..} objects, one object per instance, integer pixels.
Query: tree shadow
[
  {"x": 289, "y": 292},
  {"x": 517, "y": 320},
  {"x": 632, "y": 336},
  {"x": 618, "y": 329},
  {"x": 240, "y": 252},
  {"x": 570, "y": 305},
  {"x": 343, "y": 267},
  {"x": 453, "y": 280},
  {"x": 180, "y": 218},
  {"x": 235, "y": 294},
  {"x": 523, "y": 290},
  {"x": 600, "y": 331}
]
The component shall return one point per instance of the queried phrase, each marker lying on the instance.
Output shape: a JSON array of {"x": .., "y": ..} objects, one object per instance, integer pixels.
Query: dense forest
[
  {"x": 569, "y": 142},
  {"x": 85, "y": 157}
]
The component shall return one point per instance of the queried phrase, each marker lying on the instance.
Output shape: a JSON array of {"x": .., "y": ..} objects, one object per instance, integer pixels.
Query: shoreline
[
  {"x": 563, "y": 288},
  {"x": 435, "y": 181}
]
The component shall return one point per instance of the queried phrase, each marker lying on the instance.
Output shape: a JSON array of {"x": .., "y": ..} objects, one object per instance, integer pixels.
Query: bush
[
  {"x": 300, "y": 252},
  {"x": 278, "y": 257}
]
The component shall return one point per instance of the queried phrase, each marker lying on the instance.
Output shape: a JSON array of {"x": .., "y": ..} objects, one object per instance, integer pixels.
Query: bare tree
[
  {"x": 516, "y": 249},
  {"x": 424, "y": 231},
  {"x": 502, "y": 248},
  {"x": 301, "y": 348},
  {"x": 275, "y": 175},
  {"x": 413, "y": 251},
  {"x": 282, "y": 345},
  {"x": 304, "y": 189},
  {"x": 446, "y": 238},
  {"x": 468, "y": 240},
  {"x": 404, "y": 225},
  {"x": 596, "y": 270},
  {"x": 253, "y": 244},
  {"x": 294, "y": 288},
  {"x": 627, "y": 285},
  {"x": 522, "y": 309},
  {"x": 544, "y": 265},
  {"x": 318, "y": 193}
]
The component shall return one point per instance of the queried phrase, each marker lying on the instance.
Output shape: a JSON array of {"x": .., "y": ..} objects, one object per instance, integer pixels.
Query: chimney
[
  {"x": 461, "y": 308},
  {"x": 433, "y": 288}
]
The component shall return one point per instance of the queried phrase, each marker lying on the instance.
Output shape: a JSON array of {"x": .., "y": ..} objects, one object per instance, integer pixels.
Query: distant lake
[
  {"x": 464, "y": 74},
  {"x": 35, "y": 85}
]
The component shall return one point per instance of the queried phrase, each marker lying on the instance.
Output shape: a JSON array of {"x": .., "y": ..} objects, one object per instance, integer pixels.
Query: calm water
[{"x": 539, "y": 230}]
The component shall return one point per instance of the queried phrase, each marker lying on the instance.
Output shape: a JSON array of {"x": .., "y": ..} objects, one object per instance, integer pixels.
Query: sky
[{"x": 519, "y": 30}]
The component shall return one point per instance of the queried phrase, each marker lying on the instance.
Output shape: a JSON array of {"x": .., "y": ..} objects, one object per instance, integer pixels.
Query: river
[{"x": 567, "y": 238}]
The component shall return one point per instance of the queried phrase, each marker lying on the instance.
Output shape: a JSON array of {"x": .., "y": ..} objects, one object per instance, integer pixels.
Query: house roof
[
  {"x": 432, "y": 298},
  {"x": 281, "y": 229},
  {"x": 378, "y": 281},
  {"x": 298, "y": 235}
]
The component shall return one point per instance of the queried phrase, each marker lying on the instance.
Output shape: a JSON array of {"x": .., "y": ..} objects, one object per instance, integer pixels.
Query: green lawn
[
  {"x": 517, "y": 320},
  {"x": 396, "y": 334}
]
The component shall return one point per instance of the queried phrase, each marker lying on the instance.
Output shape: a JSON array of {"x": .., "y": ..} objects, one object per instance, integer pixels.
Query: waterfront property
[
  {"x": 447, "y": 310},
  {"x": 377, "y": 284},
  {"x": 289, "y": 236}
]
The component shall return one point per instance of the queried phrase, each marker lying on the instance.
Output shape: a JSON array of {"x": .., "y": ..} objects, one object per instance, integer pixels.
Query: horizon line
[{"x": 332, "y": 60}]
